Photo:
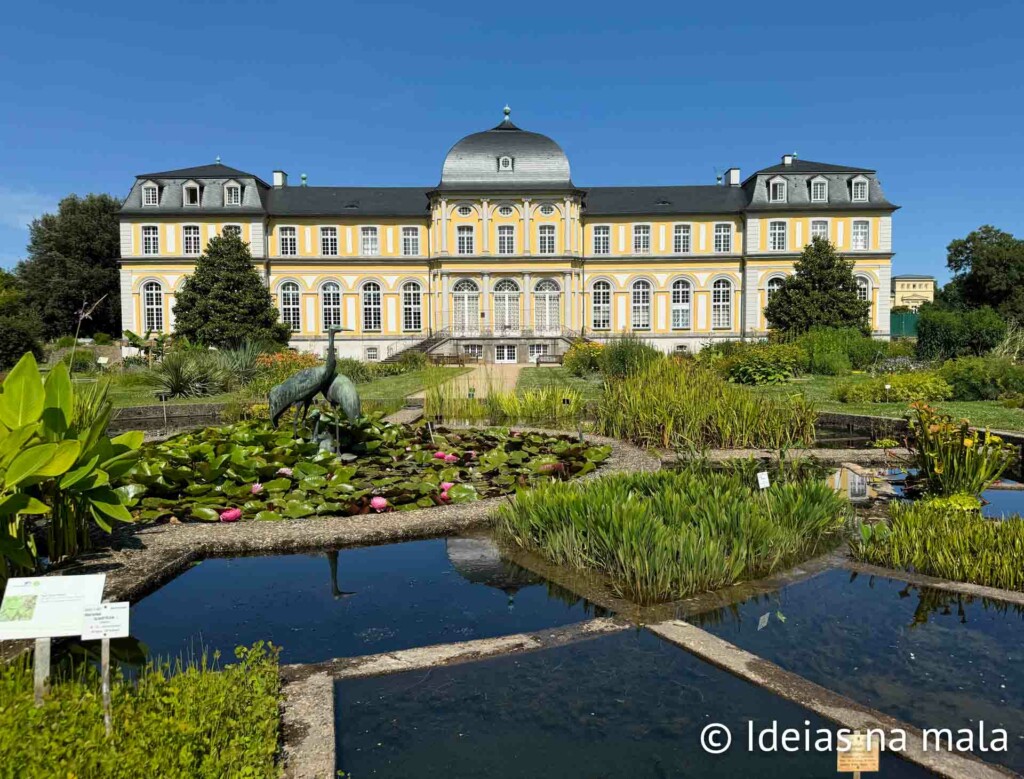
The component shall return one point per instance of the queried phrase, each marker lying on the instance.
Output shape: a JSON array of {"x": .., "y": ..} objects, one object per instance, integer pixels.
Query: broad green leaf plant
[{"x": 56, "y": 467}]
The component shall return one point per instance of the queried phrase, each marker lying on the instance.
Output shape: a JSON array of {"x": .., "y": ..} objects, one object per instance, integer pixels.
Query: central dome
[{"x": 506, "y": 157}]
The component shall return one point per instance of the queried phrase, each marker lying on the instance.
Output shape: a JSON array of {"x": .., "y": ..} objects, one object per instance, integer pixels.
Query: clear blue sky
[{"x": 929, "y": 94}]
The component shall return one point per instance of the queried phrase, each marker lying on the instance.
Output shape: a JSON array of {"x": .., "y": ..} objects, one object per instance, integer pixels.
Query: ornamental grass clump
[
  {"x": 951, "y": 457},
  {"x": 666, "y": 535},
  {"x": 674, "y": 403}
]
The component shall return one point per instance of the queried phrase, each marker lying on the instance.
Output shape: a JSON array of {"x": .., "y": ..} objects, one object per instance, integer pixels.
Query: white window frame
[
  {"x": 371, "y": 353},
  {"x": 823, "y": 182},
  {"x": 330, "y": 307},
  {"x": 772, "y": 286},
  {"x": 864, "y": 288},
  {"x": 638, "y": 238},
  {"x": 232, "y": 185},
  {"x": 291, "y": 310},
  {"x": 290, "y": 232},
  {"x": 546, "y": 209},
  {"x": 721, "y": 310},
  {"x": 233, "y": 226},
  {"x": 679, "y": 232},
  {"x": 153, "y": 243},
  {"x": 369, "y": 241},
  {"x": 410, "y": 241},
  {"x": 601, "y": 305},
  {"x": 537, "y": 350},
  {"x": 854, "y": 185},
  {"x": 715, "y": 236},
  {"x": 780, "y": 182},
  {"x": 640, "y": 309},
  {"x": 372, "y": 297},
  {"x": 465, "y": 240},
  {"x": 148, "y": 187},
  {"x": 606, "y": 235},
  {"x": 866, "y": 243},
  {"x": 412, "y": 307},
  {"x": 328, "y": 236},
  {"x": 184, "y": 196},
  {"x": 682, "y": 304},
  {"x": 547, "y": 239},
  {"x": 828, "y": 229},
  {"x": 506, "y": 239},
  {"x": 153, "y": 306},
  {"x": 464, "y": 207},
  {"x": 502, "y": 167},
  {"x": 196, "y": 237},
  {"x": 506, "y": 207},
  {"x": 774, "y": 234}
]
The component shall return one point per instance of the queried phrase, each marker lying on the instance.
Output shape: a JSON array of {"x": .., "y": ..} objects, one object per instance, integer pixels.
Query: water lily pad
[
  {"x": 268, "y": 516},
  {"x": 205, "y": 514},
  {"x": 298, "y": 510}
]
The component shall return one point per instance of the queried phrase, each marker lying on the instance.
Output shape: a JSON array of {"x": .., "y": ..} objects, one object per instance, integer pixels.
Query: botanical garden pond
[
  {"x": 353, "y": 602},
  {"x": 626, "y": 705},
  {"x": 934, "y": 659}
]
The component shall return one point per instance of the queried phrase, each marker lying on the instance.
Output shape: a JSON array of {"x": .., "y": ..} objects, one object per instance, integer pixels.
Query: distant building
[
  {"x": 912, "y": 291},
  {"x": 506, "y": 258}
]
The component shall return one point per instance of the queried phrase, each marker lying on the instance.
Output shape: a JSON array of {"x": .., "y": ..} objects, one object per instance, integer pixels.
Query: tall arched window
[
  {"x": 153, "y": 306},
  {"x": 506, "y": 306},
  {"x": 412, "y": 306},
  {"x": 601, "y": 300},
  {"x": 466, "y": 300},
  {"x": 774, "y": 285},
  {"x": 291, "y": 307},
  {"x": 864, "y": 292},
  {"x": 330, "y": 304},
  {"x": 641, "y": 300},
  {"x": 681, "y": 293},
  {"x": 547, "y": 306},
  {"x": 721, "y": 305},
  {"x": 372, "y": 320}
]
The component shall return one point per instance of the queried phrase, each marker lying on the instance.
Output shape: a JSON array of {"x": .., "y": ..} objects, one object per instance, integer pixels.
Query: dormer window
[
  {"x": 505, "y": 164},
  {"x": 150, "y": 195},
  {"x": 190, "y": 194},
  {"x": 859, "y": 190},
  {"x": 777, "y": 190},
  {"x": 819, "y": 190},
  {"x": 232, "y": 194}
]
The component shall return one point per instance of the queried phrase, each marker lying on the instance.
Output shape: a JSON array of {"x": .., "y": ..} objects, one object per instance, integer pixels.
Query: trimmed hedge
[
  {"x": 983, "y": 378},
  {"x": 903, "y": 387},
  {"x": 944, "y": 334}
]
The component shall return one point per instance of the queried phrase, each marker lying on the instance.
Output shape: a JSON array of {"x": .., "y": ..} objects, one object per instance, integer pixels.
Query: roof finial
[
  {"x": 507, "y": 110},
  {"x": 218, "y": 159}
]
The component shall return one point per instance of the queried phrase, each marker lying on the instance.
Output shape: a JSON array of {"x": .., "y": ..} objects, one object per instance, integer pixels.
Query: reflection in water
[
  {"x": 332, "y": 561},
  {"x": 479, "y": 561}
]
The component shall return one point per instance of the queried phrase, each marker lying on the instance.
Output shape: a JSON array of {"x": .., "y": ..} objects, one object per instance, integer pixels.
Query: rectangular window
[
  {"x": 190, "y": 242},
  {"x": 681, "y": 239},
  {"x": 777, "y": 236},
  {"x": 372, "y": 354},
  {"x": 473, "y": 350},
  {"x": 410, "y": 241},
  {"x": 289, "y": 241},
  {"x": 778, "y": 191},
  {"x": 546, "y": 239},
  {"x": 602, "y": 240},
  {"x": 860, "y": 191},
  {"x": 819, "y": 191},
  {"x": 819, "y": 229},
  {"x": 536, "y": 350},
  {"x": 150, "y": 240},
  {"x": 233, "y": 196},
  {"x": 506, "y": 239},
  {"x": 860, "y": 235},
  {"x": 235, "y": 230},
  {"x": 191, "y": 196},
  {"x": 602, "y": 300},
  {"x": 723, "y": 238},
  {"x": 329, "y": 241},
  {"x": 370, "y": 245},
  {"x": 465, "y": 242},
  {"x": 150, "y": 196},
  {"x": 641, "y": 239}
]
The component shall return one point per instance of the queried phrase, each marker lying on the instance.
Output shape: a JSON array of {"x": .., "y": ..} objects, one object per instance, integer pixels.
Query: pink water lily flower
[
  {"x": 444, "y": 496},
  {"x": 284, "y": 471},
  {"x": 378, "y": 503},
  {"x": 451, "y": 458},
  {"x": 439, "y": 455},
  {"x": 231, "y": 515},
  {"x": 257, "y": 488},
  {"x": 446, "y": 485}
]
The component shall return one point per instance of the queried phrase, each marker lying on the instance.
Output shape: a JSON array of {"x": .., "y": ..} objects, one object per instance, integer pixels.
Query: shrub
[
  {"x": 858, "y": 351},
  {"x": 102, "y": 339},
  {"x": 413, "y": 361},
  {"x": 901, "y": 347},
  {"x": 18, "y": 335},
  {"x": 80, "y": 360},
  {"x": 240, "y": 365},
  {"x": 762, "y": 363},
  {"x": 945, "y": 334},
  {"x": 658, "y": 536},
  {"x": 189, "y": 374},
  {"x": 582, "y": 357},
  {"x": 829, "y": 364},
  {"x": 681, "y": 403},
  {"x": 273, "y": 368},
  {"x": 983, "y": 378},
  {"x": 903, "y": 387},
  {"x": 625, "y": 355},
  {"x": 190, "y": 720},
  {"x": 952, "y": 458},
  {"x": 66, "y": 342}
]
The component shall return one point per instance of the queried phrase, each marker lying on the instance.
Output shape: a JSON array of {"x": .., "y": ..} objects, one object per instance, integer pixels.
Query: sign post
[
  {"x": 859, "y": 757},
  {"x": 104, "y": 622},
  {"x": 41, "y": 669}
]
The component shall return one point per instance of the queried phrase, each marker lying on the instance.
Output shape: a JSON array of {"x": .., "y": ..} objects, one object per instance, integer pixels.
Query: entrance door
[
  {"x": 547, "y": 307},
  {"x": 505, "y": 353},
  {"x": 466, "y": 302},
  {"x": 506, "y": 308}
]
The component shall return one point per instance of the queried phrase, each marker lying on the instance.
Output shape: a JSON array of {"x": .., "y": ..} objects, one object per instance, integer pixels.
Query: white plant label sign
[
  {"x": 48, "y": 606},
  {"x": 762, "y": 480},
  {"x": 108, "y": 620}
]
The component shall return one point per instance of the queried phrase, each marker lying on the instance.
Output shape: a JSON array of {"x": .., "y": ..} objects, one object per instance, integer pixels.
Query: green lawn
[
  {"x": 535, "y": 378},
  {"x": 398, "y": 387},
  {"x": 982, "y": 413}
]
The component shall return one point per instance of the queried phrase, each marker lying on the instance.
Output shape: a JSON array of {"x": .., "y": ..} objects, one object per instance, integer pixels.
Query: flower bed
[{"x": 251, "y": 471}]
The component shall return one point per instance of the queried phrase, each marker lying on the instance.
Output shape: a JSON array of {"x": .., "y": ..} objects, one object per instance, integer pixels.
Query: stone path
[{"x": 484, "y": 379}]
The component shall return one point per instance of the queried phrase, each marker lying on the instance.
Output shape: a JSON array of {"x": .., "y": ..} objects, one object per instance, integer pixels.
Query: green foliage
[
  {"x": 983, "y": 378},
  {"x": 583, "y": 357},
  {"x": 945, "y": 334},
  {"x": 80, "y": 360},
  {"x": 822, "y": 292},
  {"x": 190, "y": 720},
  {"x": 988, "y": 270},
  {"x": 543, "y": 405},
  {"x": 413, "y": 361},
  {"x": 836, "y": 351},
  {"x": 197, "y": 476},
  {"x": 224, "y": 301},
  {"x": 73, "y": 258},
  {"x": 949, "y": 541},
  {"x": 66, "y": 342},
  {"x": 240, "y": 365},
  {"x": 56, "y": 466},
  {"x": 627, "y": 354},
  {"x": 666, "y": 535},
  {"x": 18, "y": 335},
  {"x": 761, "y": 363},
  {"x": 952, "y": 458},
  {"x": 189, "y": 373},
  {"x": 675, "y": 403},
  {"x": 903, "y": 387},
  {"x": 884, "y": 443},
  {"x": 273, "y": 368},
  {"x": 102, "y": 339}
]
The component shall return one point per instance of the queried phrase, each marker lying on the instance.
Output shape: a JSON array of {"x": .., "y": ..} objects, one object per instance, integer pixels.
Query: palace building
[{"x": 506, "y": 258}]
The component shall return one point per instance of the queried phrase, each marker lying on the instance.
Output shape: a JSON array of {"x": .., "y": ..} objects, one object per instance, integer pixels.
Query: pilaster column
[
  {"x": 445, "y": 317},
  {"x": 526, "y": 226},
  {"x": 444, "y": 226},
  {"x": 485, "y": 300},
  {"x": 485, "y": 216},
  {"x": 567, "y": 300},
  {"x": 527, "y": 303},
  {"x": 567, "y": 247}
]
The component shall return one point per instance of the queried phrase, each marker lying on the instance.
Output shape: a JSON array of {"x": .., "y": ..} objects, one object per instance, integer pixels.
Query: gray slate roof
[
  {"x": 348, "y": 201},
  {"x": 214, "y": 171},
  {"x": 807, "y": 166},
  {"x": 612, "y": 201}
]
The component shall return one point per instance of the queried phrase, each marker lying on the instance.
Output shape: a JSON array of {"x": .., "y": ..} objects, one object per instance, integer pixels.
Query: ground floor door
[
  {"x": 505, "y": 353},
  {"x": 466, "y": 319}
]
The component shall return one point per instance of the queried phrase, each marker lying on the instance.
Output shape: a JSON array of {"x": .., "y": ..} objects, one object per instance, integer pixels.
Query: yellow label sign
[{"x": 858, "y": 757}]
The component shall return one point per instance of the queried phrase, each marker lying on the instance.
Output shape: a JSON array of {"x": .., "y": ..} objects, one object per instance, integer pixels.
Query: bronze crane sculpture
[{"x": 304, "y": 386}]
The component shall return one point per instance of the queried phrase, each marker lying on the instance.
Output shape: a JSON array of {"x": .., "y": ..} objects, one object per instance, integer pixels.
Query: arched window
[
  {"x": 774, "y": 285},
  {"x": 601, "y": 316},
  {"x": 641, "y": 305},
  {"x": 466, "y": 299},
  {"x": 506, "y": 306},
  {"x": 153, "y": 306},
  {"x": 372, "y": 320},
  {"x": 721, "y": 305},
  {"x": 291, "y": 308},
  {"x": 681, "y": 293},
  {"x": 864, "y": 291},
  {"x": 330, "y": 304},
  {"x": 412, "y": 306},
  {"x": 547, "y": 309}
]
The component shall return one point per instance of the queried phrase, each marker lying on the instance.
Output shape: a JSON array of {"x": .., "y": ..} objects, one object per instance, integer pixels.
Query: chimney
[
  {"x": 280, "y": 179},
  {"x": 732, "y": 177},
  {"x": 787, "y": 159}
]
